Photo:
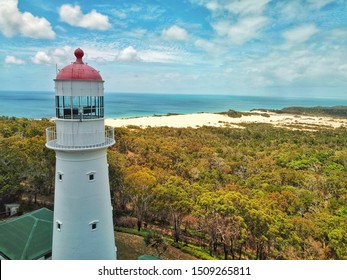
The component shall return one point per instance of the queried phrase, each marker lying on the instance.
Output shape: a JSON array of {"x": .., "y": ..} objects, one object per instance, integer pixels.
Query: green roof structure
[
  {"x": 148, "y": 258},
  {"x": 27, "y": 237}
]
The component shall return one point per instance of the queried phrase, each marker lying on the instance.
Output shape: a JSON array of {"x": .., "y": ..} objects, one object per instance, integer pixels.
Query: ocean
[{"x": 30, "y": 104}]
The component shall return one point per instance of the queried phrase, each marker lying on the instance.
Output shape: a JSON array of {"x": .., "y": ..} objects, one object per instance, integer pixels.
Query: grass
[
  {"x": 190, "y": 249},
  {"x": 133, "y": 231},
  {"x": 193, "y": 250}
]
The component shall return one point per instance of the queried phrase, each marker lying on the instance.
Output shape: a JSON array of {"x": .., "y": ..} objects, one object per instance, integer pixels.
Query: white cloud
[
  {"x": 136, "y": 33},
  {"x": 175, "y": 33},
  {"x": 213, "y": 47},
  {"x": 41, "y": 58},
  {"x": 205, "y": 45},
  {"x": 238, "y": 21},
  {"x": 298, "y": 67},
  {"x": 299, "y": 11},
  {"x": 213, "y": 6},
  {"x": 246, "y": 29},
  {"x": 151, "y": 55},
  {"x": 247, "y": 6},
  {"x": 119, "y": 14},
  {"x": 12, "y": 21},
  {"x": 10, "y": 59},
  {"x": 106, "y": 54},
  {"x": 61, "y": 56},
  {"x": 63, "y": 52},
  {"x": 337, "y": 37},
  {"x": 300, "y": 34},
  {"x": 158, "y": 56},
  {"x": 318, "y": 4},
  {"x": 152, "y": 12},
  {"x": 128, "y": 54},
  {"x": 92, "y": 20},
  {"x": 291, "y": 11},
  {"x": 239, "y": 7},
  {"x": 60, "y": 28}
]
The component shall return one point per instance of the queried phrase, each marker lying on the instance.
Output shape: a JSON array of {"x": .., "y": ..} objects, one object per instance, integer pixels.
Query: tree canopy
[{"x": 259, "y": 192}]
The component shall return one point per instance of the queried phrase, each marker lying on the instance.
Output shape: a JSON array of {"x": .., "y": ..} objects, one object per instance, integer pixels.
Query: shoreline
[{"x": 196, "y": 120}]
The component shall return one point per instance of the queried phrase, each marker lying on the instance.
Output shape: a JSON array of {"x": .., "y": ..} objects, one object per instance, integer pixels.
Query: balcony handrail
[{"x": 52, "y": 139}]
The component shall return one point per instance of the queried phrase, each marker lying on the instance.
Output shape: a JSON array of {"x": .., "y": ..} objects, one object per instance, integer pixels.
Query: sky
[{"x": 251, "y": 47}]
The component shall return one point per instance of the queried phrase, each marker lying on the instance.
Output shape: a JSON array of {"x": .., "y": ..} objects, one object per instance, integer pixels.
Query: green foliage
[
  {"x": 134, "y": 231},
  {"x": 243, "y": 193},
  {"x": 336, "y": 111},
  {"x": 155, "y": 240},
  {"x": 233, "y": 114},
  {"x": 139, "y": 187},
  {"x": 258, "y": 192},
  {"x": 26, "y": 166},
  {"x": 195, "y": 251}
]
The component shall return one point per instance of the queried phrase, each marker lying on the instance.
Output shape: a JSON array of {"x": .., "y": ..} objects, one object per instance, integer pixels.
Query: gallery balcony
[{"x": 79, "y": 141}]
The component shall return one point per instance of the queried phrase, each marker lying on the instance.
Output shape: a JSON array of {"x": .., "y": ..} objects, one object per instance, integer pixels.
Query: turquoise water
[{"x": 31, "y": 104}]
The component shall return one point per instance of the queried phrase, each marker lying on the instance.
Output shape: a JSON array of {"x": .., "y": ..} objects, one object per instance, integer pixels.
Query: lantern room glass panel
[{"x": 79, "y": 107}]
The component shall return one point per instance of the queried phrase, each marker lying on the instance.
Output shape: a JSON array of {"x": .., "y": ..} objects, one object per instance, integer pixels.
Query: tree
[
  {"x": 139, "y": 187},
  {"x": 40, "y": 166},
  {"x": 117, "y": 183},
  {"x": 261, "y": 228},
  {"x": 12, "y": 164},
  {"x": 173, "y": 197},
  {"x": 338, "y": 241},
  {"x": 157, "y": 241}
]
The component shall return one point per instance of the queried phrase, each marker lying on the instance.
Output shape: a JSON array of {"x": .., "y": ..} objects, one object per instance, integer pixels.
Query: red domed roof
[{"x": 78, "y": 70}]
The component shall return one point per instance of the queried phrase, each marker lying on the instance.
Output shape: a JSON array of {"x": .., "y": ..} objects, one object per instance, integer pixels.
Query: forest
[
  {"x": 336, "y": 111},
  {"x": 260, "y": 192}
]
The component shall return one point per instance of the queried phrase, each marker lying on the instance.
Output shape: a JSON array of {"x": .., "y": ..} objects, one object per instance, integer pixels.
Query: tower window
[
  {"x": 91, "y": 175},
  {"x": 60, "y": 176},
  {"x": 94, "y": 225},
  {"x": 59, "y": 224}
]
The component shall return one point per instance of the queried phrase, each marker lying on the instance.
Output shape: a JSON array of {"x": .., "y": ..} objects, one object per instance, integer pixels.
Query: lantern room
[
  {"x": 79, "y": 91},
  {"x": 79, "y": 106}
]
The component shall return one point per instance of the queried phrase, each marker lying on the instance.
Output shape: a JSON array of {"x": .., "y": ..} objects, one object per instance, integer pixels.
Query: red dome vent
[{"x": 78, "y": 70}]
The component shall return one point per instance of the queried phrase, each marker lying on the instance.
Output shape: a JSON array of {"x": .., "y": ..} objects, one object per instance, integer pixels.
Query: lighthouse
[{"x": 83, "y": 223}]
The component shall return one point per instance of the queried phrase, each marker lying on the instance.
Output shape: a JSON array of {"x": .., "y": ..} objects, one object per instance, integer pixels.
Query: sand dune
[{"x": 220, "y": 120}]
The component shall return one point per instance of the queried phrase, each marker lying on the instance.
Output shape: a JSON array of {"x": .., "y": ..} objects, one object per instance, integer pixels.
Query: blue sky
[{"x": 267, "y": 47}]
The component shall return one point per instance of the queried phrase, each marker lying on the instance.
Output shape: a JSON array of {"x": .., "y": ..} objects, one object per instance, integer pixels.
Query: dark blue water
[{"x": 32, "y": 104}]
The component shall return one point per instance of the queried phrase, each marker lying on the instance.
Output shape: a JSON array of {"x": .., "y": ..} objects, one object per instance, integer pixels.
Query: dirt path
[{"x": 130, "y": 247}]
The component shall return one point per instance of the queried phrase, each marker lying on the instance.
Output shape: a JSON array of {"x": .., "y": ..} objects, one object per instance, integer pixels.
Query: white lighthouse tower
[{"x": 83, "y": 224}]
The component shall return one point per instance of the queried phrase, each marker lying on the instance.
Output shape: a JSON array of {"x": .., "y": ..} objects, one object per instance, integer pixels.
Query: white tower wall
[
  {"x": 76, "y": 134},
  {"x": 79, "y": 88},
  {"x": 83, "y": 211}
]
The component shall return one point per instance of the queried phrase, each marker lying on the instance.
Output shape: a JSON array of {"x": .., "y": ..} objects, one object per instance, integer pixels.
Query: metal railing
[{"x": 78, "y": 141}]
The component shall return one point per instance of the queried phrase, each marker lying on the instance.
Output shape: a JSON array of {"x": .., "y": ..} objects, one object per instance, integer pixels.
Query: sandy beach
[{"x": 221, "y": 120}]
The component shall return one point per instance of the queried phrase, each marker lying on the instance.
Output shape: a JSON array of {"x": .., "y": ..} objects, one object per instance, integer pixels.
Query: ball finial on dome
[
  {"x": 78, "y": 70},
  {"x": 79, "y": 53}
]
